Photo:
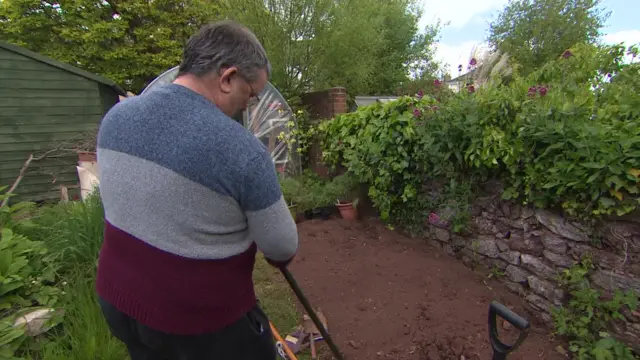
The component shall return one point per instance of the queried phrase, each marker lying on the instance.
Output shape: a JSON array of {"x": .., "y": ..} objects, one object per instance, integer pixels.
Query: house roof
[
  {"x": 74, "y": 70},
  {"x": 462, "y": 77}
]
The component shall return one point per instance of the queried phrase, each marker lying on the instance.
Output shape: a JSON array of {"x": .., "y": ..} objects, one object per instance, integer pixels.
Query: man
[{"x": 189, "y": 195}]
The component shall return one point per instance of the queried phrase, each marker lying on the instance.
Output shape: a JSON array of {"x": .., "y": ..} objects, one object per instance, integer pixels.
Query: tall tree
[
  {"x": 533, "y": 32},
  {"x": 130, "y": 42},
  {"x": 363, "y": 45}
]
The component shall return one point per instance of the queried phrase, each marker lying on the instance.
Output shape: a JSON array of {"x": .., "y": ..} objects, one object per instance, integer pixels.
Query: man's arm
[{"x": 270, "y": 222}]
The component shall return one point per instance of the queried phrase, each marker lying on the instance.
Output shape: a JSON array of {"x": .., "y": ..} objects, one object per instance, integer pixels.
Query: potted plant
[
  {"x": 292, "y": 192},
  {"x": 345, "y": 188},
  {"x": 318, "y": 201}
]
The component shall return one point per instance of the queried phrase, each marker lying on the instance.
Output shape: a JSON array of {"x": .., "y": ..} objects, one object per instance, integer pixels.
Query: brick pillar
[
  {"x": 338, "y": 100},
  {"x": 323, "y": 105}
]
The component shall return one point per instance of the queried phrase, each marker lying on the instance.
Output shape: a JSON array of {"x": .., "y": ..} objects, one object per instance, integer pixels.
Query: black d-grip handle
[{"x": 500, "y": 349}]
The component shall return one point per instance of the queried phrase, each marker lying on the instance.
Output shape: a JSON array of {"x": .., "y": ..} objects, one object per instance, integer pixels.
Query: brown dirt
[{"x": 387, "y": 296}]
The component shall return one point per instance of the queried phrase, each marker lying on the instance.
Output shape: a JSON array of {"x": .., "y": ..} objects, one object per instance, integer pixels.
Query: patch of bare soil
[{"x": 387, "y": 296}]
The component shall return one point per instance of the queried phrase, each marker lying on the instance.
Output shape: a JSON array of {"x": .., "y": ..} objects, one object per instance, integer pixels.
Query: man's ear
[{"x": 226, "y": 75}]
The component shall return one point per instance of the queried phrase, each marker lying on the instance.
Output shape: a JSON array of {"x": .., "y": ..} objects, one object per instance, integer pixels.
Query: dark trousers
[{"x": 249, "y": 338}]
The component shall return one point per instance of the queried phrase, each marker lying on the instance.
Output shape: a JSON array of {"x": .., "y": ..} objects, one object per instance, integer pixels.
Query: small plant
[
  {"x": 496, "y": 273},
  {"x": 584, "y": 320},
  {"x": 345, "y": 190},
  {"x": 13, "y": 214},
  {"x": 27, "y": 279},
  {"x": 299, "y": 134},
  {"x": 292, "y": 191}
]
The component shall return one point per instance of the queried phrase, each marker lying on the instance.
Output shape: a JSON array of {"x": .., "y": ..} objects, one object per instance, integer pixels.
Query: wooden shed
[{"x": 46, "y": 105}]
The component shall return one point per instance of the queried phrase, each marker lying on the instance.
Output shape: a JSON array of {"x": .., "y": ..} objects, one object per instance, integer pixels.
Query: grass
[
  {"x": 277, "y": 300},
  {"x": 73, "y": 234},
  {"x": 84, "y": 333}
]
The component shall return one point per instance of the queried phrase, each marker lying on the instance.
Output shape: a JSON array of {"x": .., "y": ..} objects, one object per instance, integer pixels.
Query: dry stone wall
[{"x": 531, "y": 247}]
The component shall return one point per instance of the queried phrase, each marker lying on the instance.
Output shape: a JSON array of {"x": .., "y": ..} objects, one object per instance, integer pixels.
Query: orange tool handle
[{"x": 288, "y": 351}]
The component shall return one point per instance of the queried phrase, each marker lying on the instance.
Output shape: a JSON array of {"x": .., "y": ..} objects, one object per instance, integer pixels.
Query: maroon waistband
[{"x": 171, "y": 293}]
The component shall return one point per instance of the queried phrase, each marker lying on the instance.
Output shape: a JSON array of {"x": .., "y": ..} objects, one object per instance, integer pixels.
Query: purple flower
[
  {"x": 473, "y": 62},
  {"x": 437, "y": 82},
  {"x": 417, "y": 112},
  {"x": 471, "y": 89},
  {"x": 532, "y": 91},
  {"x": 420, "y": 94},
  {"x": 543, "y": 91},
  {"x": 567, "y": 54}
]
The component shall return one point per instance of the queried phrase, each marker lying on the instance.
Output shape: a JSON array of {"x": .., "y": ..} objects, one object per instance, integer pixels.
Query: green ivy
[
  {"x": 379, "y": 143},
  {"x": 584, "y": 320},
  {"x": 568, "y": 135}
]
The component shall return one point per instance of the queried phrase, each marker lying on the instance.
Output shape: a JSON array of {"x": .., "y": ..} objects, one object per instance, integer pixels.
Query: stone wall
[{"x": 532, "y": 246}]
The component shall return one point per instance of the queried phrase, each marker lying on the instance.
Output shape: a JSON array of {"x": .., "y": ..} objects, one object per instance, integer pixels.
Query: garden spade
[
  {"x": 500, "y": 349},
  {"x": 312, "y": 314}
]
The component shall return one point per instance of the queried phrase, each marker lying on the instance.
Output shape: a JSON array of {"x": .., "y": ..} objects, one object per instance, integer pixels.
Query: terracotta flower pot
[{"x": 348, "y": 211}]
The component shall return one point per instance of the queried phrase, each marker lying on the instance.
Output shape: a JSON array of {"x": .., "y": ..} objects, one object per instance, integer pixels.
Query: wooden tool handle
[
  {"x": 287, "y": 350},
  {"x": 313, "y": 345}
]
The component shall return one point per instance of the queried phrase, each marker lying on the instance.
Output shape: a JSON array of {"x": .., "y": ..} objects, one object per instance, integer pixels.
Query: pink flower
[
  {"x": 471, "y": 89},
  {"x": 420, "y": 94},
  {"x": 433, "y": 218},
  {"x": 532, "y": 91},
  {"x": 417, "y": 112},
  {"x": 473, "y": 62},
  {"x": 437, "y": 82}
]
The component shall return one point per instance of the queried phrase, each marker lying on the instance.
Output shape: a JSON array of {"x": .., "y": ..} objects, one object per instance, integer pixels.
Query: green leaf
[
  {"x": 606, "y": 202},
  {"x": 592, "y": 165}
]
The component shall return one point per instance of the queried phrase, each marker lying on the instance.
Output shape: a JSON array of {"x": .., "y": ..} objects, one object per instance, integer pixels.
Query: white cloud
[
  {"x": 454, "y": 55},
  {"x": 460, "y": 13},
  {"x": 457, "y": 12},
  {"x": 628, "y": 37}
]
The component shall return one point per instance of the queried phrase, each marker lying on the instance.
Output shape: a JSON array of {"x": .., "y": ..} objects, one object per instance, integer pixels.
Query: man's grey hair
[{"x": 224, "y": 44}]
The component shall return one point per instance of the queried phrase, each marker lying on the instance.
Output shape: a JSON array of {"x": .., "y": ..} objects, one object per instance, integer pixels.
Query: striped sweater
[{"x": 189, "y": 196}]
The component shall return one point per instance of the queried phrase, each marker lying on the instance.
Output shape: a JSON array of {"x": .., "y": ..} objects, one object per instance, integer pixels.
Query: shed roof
[
  {"x": 368, "y": 100},
  {"x": 66, "y": 67}
]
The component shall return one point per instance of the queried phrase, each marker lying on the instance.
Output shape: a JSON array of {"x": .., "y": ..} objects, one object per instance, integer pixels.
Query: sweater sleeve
[{"x": 270, "y": 223}]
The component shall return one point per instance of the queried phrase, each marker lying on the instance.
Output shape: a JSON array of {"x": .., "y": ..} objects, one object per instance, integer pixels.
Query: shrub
[
  {"x": 586, "y": 317},
  {"x": 27, "y": 276},
  {"x": 567, "y": 135},
  {"x": 380, "y": 145}
]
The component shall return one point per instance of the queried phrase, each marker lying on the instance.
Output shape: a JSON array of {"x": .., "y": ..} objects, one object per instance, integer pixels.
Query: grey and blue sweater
[{"x": 189, "y": 196}]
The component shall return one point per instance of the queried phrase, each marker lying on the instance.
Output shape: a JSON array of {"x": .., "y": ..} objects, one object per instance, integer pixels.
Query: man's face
[{"x": 238, "y": 92}]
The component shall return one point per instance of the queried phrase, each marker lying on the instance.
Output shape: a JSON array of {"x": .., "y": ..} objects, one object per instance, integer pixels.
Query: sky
[{"x": 469, "y": 24}]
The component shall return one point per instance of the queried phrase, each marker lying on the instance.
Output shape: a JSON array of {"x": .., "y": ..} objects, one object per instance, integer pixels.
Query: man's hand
[{"x": 279, "y": 264}]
